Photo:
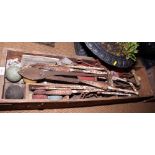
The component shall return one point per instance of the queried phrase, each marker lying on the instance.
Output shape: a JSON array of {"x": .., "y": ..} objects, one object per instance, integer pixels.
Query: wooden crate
[{"x": 27, "y": 103}]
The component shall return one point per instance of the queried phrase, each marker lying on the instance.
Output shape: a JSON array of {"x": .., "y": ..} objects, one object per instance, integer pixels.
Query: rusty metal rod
[
  {"x": 88, "y": 67},
  {"x": 70, "y": 92},
  {"x": 67, "y": 69}
]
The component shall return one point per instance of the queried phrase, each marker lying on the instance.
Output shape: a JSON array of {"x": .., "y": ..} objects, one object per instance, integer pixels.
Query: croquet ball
[
  {"x": 14, "y": 92},
  {"x": 12, "y": 74}
]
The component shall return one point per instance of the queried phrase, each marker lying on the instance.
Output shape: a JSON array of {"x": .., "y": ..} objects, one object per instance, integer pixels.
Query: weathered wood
[
  {"x": 47, "y": 104},
  {"x": 3, "y": 55},
  {"x": 28, "y": 103},
  {"x": 66, "y": 48},
  {"x": 31, "y": 59},
  {"x": 52, "y": 44}
]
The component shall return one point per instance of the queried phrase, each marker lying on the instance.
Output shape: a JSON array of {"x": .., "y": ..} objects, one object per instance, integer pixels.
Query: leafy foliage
[{"x": 129, "y": 49}]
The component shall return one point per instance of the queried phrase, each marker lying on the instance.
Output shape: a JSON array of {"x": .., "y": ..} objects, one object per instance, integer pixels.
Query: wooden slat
[
  {"x": 66, "y": 48},
  {"x": 3, "y": 55}
]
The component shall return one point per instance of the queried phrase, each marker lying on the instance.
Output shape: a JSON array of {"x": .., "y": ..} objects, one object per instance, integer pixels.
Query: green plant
[{"x": 130, "y": 49}]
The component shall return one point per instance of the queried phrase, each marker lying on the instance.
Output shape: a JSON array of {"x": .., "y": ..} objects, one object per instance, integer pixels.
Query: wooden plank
[
  {"x": 55, "y": 54},
  {"x": 47, "y": 104},
  {"x": 31, "y": 59},
  {"x": 151, "y": 76},
  {"x": 145, "y": 88},
  {"x": 66, "y": 48},
  {"x": 117, "y": 108},
  {"x": 51, "y": 44},
  {"x": 3, "y": 54}
]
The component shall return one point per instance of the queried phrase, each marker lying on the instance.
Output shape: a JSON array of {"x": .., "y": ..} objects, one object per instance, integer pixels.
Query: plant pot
[{"x": 107, "y": 57}]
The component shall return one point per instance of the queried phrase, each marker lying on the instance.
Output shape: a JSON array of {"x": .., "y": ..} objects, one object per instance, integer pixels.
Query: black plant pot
[{"x": 111, "y": 59}]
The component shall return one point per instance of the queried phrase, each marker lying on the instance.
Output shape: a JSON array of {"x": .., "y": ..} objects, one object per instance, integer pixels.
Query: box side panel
[{"x": 3, "y": 56}]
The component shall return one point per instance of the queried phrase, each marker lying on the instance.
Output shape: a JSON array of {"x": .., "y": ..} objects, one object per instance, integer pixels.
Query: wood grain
[
  {"x": 68, "y": 48},
  {"x": 2, "y": 64},
  {"x": 60, "y": 47}
]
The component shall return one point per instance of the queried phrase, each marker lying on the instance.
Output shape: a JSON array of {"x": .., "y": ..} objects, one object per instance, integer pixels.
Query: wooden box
[{"x": 145, "y": 91}]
